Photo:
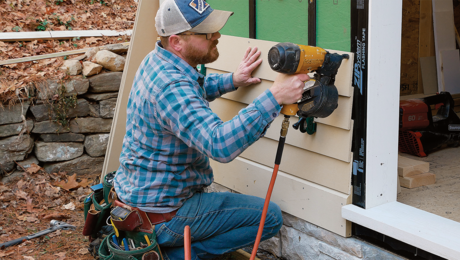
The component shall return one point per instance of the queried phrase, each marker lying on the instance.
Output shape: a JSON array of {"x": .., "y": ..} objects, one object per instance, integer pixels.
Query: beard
[{"x": 197, "y": 56}]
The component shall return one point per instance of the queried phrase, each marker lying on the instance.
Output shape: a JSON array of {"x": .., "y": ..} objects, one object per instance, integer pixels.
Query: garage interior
[{"x": 427, "y": 37}]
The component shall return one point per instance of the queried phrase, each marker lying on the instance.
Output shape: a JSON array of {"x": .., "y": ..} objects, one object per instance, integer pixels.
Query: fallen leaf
[
  {"x": 21, "y": 195},
  {"x": 55, "y": 234},
  {"x": 70, "y": 206},
  {"x": 71, "y": 183},
  {"x": 92, "y": 40},
  {"x": 33, "y": 169},
  {"x": 83, "y": 251},
  {"x": 28, "y": 258},
  {"x": 32, "y": 220},
  {"x": 3, "y": 254},
  {"x": 30, "y": 207},
  {"x": 61, "y": 255},
  {"x": 3, "y": 188},
  {"x": 56, "y": 216}
]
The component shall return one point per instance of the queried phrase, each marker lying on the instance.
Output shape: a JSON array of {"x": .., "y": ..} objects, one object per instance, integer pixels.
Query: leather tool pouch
[{"x": 130, "y": 223}]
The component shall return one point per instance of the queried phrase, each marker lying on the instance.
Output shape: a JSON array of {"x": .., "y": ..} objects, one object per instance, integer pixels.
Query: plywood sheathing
[{"x": 410, "y": 47}]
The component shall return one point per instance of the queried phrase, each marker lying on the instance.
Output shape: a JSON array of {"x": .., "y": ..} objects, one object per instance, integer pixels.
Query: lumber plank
[
  {"x": 428, "y": 73},
  {"x": 418, "y": 180},
  {"x": 426, "y": 41},
  {"x": 444, "y": 35},
  {"x": 450, "y": 70},
  {"x": 310, "y": 166},
  {"x": 340, "y": 118},
  {"x": 232, "y": 49},
  {"x": 314, "y": 203},
  {"x": 408, "y": 166},
  {"x": 329, "y": 141},
  {"x": 50, "y": 55},
  {"x": 56, "y": 35}
]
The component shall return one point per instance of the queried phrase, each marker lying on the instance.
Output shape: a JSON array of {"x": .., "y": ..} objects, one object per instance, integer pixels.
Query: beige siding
[
  {"x": 232, "y": 50},
  {"x": 314, "y": 203},
  {"x": 315, "y": 181}
]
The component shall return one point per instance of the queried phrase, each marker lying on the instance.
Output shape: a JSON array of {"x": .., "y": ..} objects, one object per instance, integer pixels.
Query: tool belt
[
  {"x": 141, "y": 220},
  {"x": 133, "y": 235}
]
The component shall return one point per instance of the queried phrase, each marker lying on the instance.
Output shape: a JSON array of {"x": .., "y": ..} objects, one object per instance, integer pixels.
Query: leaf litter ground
[
  {"x": 30, "y": 202},
  {"x": 56, "y": 15}
]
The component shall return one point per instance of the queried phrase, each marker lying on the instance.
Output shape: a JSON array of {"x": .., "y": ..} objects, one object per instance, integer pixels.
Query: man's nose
[{"x": 216, "y": 36}]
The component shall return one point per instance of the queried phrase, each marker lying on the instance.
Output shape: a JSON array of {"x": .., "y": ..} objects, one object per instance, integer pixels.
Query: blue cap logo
[{"x": 199, "y": 5}]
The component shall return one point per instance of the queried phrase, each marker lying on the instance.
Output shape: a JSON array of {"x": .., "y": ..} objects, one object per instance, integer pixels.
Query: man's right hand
[{"x": 288, "y": 89}]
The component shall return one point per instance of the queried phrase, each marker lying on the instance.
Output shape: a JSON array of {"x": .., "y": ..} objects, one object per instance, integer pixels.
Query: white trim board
[
  {"x": 382, "y": 126},
  {"x": 311, "y": 202},
  {"x": 451, "y": 71},
  {"x": 410, "y": 225},
  {"x": 30, "y": 36}
]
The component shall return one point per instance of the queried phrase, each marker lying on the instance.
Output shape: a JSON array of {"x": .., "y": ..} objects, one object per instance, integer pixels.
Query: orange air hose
[
  {"x": 187, "y": 244},
  {"x": 279, "y": 153}
]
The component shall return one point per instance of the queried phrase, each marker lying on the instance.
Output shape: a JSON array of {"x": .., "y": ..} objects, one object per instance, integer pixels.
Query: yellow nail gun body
[{"x": 320, "y": 97}]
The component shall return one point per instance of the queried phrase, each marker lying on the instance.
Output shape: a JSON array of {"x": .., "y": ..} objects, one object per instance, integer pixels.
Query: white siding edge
[{"x": 421, "y": 229}]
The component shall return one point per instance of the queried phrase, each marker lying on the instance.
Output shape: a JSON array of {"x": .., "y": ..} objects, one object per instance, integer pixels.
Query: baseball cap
[{"x": 176, "y": 16}]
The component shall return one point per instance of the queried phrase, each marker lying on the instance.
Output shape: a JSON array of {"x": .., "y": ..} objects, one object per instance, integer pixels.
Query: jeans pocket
[{"x": 167, "y": 237}]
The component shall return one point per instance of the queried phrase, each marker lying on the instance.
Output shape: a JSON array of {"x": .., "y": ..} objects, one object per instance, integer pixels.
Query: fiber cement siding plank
[
  {"x": 306, "y": 165},
  {"x": 311, "y": 202},
  {"x": 232, "y": 49},
  {"x": 340, "y": 118},
  {"x": 329, "y": 141}
]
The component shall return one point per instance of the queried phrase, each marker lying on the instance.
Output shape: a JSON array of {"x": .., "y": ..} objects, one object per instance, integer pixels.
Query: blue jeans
[{"x": 219, "y": 223}]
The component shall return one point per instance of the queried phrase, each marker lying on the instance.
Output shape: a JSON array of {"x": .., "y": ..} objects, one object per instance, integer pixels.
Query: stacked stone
[{"x": 29, "y": 133}]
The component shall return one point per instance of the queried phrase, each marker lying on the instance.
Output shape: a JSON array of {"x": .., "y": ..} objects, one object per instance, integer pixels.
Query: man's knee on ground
[{"x": 274, "y": 217}]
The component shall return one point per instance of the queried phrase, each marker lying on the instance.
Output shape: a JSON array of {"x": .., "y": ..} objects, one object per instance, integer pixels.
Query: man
[{"x": 171, "y": 133}]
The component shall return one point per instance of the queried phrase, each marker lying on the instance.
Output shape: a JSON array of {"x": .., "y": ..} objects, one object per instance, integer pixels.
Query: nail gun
[
  {"x": 320, "y": 96},
  {"x": 420, "y": 132}
]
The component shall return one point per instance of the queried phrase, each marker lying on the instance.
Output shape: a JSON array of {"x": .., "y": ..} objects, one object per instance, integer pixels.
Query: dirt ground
[{"x": 443, "y": 197}]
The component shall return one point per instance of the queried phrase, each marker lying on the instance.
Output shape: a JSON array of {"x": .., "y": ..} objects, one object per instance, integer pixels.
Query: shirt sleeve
[
  {"x": 186, "y": 115},
  {"x": 216, "y": 85}
]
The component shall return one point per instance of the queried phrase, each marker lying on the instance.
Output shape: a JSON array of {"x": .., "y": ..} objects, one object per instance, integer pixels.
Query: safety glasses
[{"x": 208, "y": 35}]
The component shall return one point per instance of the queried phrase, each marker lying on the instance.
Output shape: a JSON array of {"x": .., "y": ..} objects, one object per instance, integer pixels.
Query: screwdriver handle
[{"x": 13, "y": 242}]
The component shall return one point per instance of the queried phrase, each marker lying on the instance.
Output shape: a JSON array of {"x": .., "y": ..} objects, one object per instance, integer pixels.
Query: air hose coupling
[{"x": 285, "y": 126}]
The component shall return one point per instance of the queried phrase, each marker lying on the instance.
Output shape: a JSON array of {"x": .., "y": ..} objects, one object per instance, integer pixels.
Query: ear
[{"x": 176, "y": 43}]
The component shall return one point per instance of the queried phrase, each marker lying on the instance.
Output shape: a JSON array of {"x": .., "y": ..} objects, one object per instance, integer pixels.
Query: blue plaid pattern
[{"x": 171, "y": 132}]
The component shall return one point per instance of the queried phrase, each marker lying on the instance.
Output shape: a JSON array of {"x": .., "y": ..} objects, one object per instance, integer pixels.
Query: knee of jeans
[{"x": 276, "y": 217}]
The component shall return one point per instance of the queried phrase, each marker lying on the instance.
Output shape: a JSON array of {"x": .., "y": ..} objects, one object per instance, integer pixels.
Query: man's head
[{"x": 189, "y": 28}]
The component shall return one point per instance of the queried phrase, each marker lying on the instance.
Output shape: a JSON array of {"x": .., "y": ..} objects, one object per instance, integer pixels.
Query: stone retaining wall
[{"x": 29, "y": 132}]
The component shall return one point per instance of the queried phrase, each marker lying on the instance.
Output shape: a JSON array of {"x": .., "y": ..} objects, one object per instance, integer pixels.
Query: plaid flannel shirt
[{"x": 171, "y": 132}]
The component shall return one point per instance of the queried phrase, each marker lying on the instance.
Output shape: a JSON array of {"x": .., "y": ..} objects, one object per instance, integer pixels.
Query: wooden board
[
  {"x": 232, "y": 49},
  {"x": 329, "y": 141},
  {"x": 428, "y": 73},
  {"x": 418, "y": 180},
  {"x": 407, "y": 165},
  {"x": 56, "y": 35},
  {"x": 142, "y": 42},
  {"x": 444, "y": 34},
  {"x": 311, "y": 202},
  {"x": 451, "y": 71},
  {"x": 340, "y": 118},
  {"x": 51, "y": 55},
  {"x": 409, "y": 48},
  {"x": 426, "y": 42},
  {"x": 306, "y": 165}
]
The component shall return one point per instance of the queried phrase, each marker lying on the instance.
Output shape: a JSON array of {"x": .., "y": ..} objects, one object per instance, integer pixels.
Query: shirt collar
[{"x": 177, "y": 62}]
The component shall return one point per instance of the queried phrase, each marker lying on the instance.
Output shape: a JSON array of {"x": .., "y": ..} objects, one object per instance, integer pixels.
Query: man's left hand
[{"x": 242, "y": 77}]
